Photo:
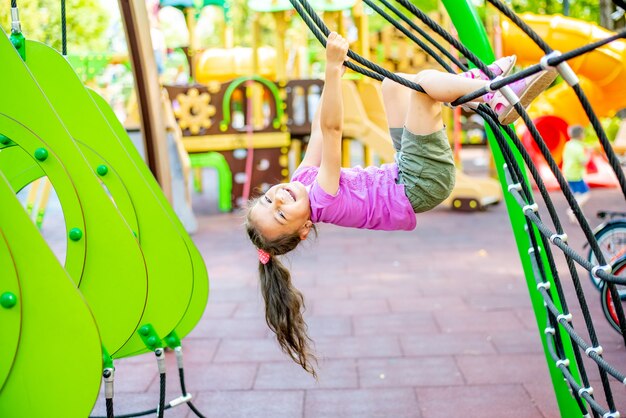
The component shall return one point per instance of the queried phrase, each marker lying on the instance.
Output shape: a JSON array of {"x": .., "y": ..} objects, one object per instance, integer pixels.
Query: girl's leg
[
  {"x": 444, "y": 87},
  {"x": 396, "y": 99},
  {"x": 424, "y": 111}
]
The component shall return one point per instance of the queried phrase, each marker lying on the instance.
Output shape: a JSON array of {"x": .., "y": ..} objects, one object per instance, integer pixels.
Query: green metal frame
[{"x": 473, "y": 35}]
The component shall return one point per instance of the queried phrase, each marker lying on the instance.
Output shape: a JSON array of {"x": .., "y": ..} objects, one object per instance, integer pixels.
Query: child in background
[
  {"x": 379, "y": 198},
  {"x": 575, "y": 160}
]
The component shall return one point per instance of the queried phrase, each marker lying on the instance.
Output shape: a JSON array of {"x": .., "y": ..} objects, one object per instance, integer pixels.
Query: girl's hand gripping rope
[{"x": 336, "y": 51}]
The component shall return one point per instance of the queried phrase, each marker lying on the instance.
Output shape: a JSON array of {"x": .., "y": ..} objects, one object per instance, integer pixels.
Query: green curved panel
[
  {"x": 473, "y": 35},
  {"x": 200, "y": 293},
  {"x": 114, "y": 184},
  {"x": 56, "y": 326},
  {"x": 10, "y": 316},
  {"x": 168, "y": 298},
  {"x": 19, "y": 167},
  {"x": 170, "y": 273},
  {"x": 114, "y": 277}
]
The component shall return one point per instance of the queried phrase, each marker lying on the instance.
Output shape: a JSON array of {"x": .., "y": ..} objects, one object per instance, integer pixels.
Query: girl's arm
[
  {"x": 313, "y": 155},
  {"x": 331, "y": 115}
]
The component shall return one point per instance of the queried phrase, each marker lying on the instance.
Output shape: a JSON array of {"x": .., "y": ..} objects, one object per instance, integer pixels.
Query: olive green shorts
[{"x": 425, "y": 167}]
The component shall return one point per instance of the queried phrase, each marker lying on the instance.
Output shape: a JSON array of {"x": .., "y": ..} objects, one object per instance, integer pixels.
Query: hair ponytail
[{"x": 284, "y": 303}]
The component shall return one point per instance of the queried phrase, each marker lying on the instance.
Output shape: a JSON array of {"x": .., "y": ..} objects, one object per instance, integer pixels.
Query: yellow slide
[{"x": 602, "y": 72}]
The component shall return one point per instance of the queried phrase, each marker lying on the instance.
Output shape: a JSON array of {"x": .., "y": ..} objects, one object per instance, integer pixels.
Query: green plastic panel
[
  {"x": 19, "y": 167},
  {"x": 10, "y": 316},
  {"x": 170, "y": 273},
  {"x": 200, "y": 293},
  {"x": 57, "y": 370},
  {"x": 113, "y": 277}
]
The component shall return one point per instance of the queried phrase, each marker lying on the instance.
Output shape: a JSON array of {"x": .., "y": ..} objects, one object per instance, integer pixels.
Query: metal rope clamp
[
  {"x": 598, "y": 350},
  {"x": 108, "y": 376},
  {"x": 561, "y": 362},
  {"x": 615, "y": 414},
  {"x": 588, "y": 391},
  {"x": 606, "y": 268},
  {"x": 543, "y": 285},
  {"x": 515, "y": 186},
  {"x": 563, "y": 68},
  {"x": 549, "y": 330},
  {"x": 534, "y": 207},
  {"x": 160, "y": 356},
  {"x": 488, "y": 85},
  {"x": 567, "y": 317},
  {"x": 16, "y": 26},
  {"x": 562, "y": 237}
]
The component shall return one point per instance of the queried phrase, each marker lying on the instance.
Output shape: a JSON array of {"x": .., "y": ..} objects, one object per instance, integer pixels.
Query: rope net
[{"x": 559, "y": 332}]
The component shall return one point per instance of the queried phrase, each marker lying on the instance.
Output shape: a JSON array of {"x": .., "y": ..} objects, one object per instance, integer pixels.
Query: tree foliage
[
  {"x": 588, "y": 10},
  {"x": 87, "y": 22},
  {"x": 595, "y": 11}
]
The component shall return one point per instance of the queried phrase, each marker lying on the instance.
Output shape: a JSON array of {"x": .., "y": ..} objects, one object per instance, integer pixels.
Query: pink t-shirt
[{"x": 368, "y": 198}]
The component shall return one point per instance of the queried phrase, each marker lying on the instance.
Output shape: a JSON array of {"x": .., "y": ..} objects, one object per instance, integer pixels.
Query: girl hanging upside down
[{"x": 382, "y": 198}]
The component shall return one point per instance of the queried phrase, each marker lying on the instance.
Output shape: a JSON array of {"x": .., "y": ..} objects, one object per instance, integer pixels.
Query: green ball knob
[
  {"x": 75, "y": 234},
  {"x": 41, "y": 154},
  {"x": 145, "y": 330},
  {"x": 17, "y": 42},
  {"x": 151, "y": 342},
  {"x": 4, "y": 140},
  {"x": 102, "y": 170},
  {"x": 8, "y": 300}
]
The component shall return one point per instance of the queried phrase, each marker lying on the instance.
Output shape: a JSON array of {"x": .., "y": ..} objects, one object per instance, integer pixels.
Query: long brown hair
[{"x": 284, "y": 303}]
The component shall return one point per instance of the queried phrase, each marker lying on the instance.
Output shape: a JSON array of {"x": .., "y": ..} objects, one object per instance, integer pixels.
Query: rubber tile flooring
[{"x": 431, "y": 323}]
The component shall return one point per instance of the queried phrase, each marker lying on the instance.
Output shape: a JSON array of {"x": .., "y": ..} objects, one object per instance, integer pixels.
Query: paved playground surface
[{"x": 431, "y": 323}]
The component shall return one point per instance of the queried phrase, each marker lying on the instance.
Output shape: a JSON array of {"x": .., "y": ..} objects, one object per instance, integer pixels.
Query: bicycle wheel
[
  {"x": 606, "y": 300},
  {"x": 611, "y": 238}
]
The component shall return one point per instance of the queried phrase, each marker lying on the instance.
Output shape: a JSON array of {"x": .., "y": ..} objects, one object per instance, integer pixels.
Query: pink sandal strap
[{"x": 500, "y": 67}]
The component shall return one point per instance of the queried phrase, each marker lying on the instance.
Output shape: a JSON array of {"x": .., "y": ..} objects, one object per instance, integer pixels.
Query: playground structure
[
  {"x": 116, "y": 218},
  {"x": 601, "y": 71},
  {"x": 89, "y": 158}
]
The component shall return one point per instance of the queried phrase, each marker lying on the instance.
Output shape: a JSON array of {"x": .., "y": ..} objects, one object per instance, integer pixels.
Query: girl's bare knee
[{"x": 423, "y": 75}]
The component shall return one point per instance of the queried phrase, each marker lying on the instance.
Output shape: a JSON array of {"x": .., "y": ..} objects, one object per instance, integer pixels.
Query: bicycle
[
  {"x": 611, "y": 238},
  {"x": 606, "y": 300}
]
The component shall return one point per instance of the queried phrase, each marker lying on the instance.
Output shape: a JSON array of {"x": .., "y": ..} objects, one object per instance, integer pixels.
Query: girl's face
[{"x": 284, "y": 209}]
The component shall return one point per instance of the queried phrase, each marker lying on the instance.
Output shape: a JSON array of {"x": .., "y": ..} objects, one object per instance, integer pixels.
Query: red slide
[{"x": 553, "y": 130}]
